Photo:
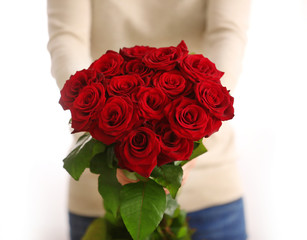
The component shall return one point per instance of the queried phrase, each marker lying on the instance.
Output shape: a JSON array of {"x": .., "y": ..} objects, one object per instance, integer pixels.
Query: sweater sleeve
[
  {"x": 69, "y": 37},
  {"x": 225, "y": 37}
]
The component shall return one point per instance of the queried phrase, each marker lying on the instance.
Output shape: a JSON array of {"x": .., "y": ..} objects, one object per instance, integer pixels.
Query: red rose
[
  {"x": 116, "y": 118},
  {"x": 213, "y": 125},
  {"x": 216, "y": 99},
  {"x": 173, "y": 84},
  {"x": 138, "y": 151},
  {"x": 137, "y": 67},
  {"x": 150, "y": 102},
  {"x": 124, "y": 85},
  {"x": 87, "y": 106},
  {"x": 198, "y": 68},
  {"x": 75, "y": 84},
  {"x": 154, "y": 78},
  {"x": 166, "y": 58},
  {"x": 173, "y": 148},
  {"x": 109, "y": 64},
  {"x": 136, "y": 52},
  {"x": 189, "y": 120}
]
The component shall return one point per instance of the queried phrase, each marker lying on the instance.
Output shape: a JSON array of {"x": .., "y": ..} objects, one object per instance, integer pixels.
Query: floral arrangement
[{"x": 144, "y": 112}]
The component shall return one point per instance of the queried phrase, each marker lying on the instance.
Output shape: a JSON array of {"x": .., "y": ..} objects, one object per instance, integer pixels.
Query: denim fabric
[
  {"x": 224, "y": 222},
  {"x": 78, "y": 225}
]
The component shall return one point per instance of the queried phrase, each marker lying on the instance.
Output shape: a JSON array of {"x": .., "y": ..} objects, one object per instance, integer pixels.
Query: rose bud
[
  {"x": 110, "y": 64},
  {"x": 150, "y": 102},
  {"x": 166, "y": 58},
  {"x": 115, "y": 120},
  {"x": 197, "y": 68},
  {"x": 75, "y": 84},
  {"x": 87, "y": 106},
  {"x": 173, "y": 148},
  {"x": 136, "y": 52},
  {"x": 214, "y": 97},
  {"x": 189, "y": 120},
  {"x": 124, "y": 85},
  {"x": 138, "y": 151}
]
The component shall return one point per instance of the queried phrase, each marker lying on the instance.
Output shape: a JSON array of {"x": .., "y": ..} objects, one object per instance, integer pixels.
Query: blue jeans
[{"x": 224, "y": 222}]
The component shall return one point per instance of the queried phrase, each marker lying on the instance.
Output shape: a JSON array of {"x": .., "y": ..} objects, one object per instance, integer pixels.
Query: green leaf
[
  {"x": 181, "y": 218},
  {"x": 171, "y": 206},
  {"x": 169, "y": 176},
  {"x": 141, "y": 178},
  {"x": 109, "y": 188},
  {"x": 111, "y": 158},
  {"x": 142, "y": 207},
  {"x": 79, "y": 158},
  {"x": 83, "y": 137},
  {"x": 97, "y": 163},
  {"x": 182, "y": 232},
  {"x": 199, "y": 149},
  {"x": 97, "y": 230},
  {"x": 116, "y": 228},
  {"x": 180, "y": 163},
  {"x": 131, "y": 175}
]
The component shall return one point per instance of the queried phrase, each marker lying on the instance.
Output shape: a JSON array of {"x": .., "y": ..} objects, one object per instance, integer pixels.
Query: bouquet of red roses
[{"x": 144, "y": 110}]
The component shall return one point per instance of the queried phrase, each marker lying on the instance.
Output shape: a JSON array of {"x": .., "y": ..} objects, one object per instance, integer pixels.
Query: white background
[{"x": 270, "y": 122}]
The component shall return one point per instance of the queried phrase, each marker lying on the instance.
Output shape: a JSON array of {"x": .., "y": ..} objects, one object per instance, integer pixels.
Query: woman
[{"x": 81, "y": 31}]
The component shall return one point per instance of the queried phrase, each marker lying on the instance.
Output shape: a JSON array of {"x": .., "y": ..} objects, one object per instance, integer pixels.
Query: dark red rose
[
  {"x": 110, "y": 64},
  {"x": 173, "y": 84},
  {"x": 166, "y": 58},
  {"x": 124, "y": 85},
  {"x": 189, "y": 120},
  {"x": 75, "y": 84},
  {"x": 151, "y": 124},
  {"x": 154, "y": 78},
  {"x": 137, "y": 67},
  {"x": 138, "y": 151},
  {"x": 213, "y": 126},
  {"x": 173, "y": 148},
  {"x": 87, "y": 106},
  {"x": 216, "y": 99},
  {"x": 116, "y": 118},
  {"x": 197, "y": 68},
  {"x": 136, "y": 52},
  {"x": 150, "y": 102}
]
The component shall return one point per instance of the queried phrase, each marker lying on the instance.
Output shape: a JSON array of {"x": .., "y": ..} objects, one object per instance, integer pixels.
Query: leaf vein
[{"x": 140, "y": 219}]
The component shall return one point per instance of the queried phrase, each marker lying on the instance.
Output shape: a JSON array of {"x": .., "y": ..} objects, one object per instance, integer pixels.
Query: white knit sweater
[{"x": 82, "y": 30}]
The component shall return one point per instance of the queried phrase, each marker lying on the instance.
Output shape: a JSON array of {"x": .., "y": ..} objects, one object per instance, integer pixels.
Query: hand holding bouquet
[{"x": 146, "y": 111}]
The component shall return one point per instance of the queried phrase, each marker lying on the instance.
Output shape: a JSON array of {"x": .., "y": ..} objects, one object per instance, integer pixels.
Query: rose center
[
  {"x": 189, "y": 116},
  {"x": 212, "y": 97},
  {"x": 139, "y": 141}
]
